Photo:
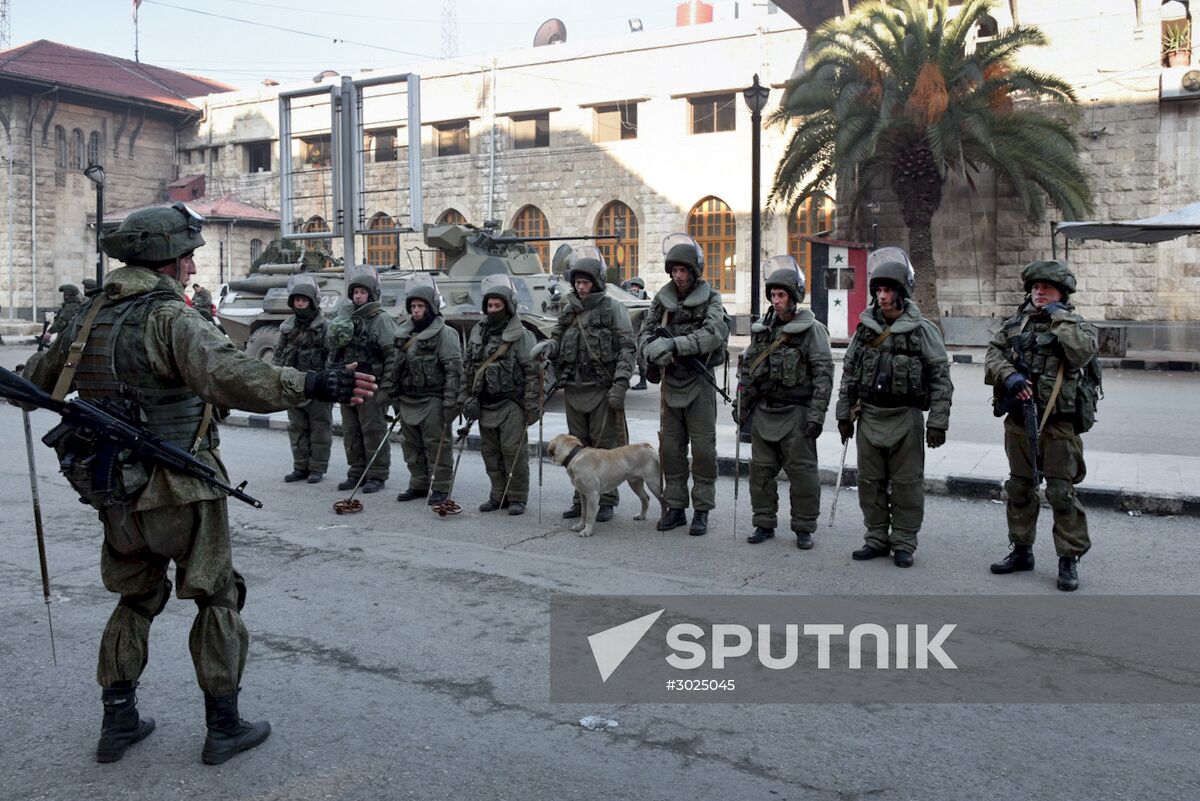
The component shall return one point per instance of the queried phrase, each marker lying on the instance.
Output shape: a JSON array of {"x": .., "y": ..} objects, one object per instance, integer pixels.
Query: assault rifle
[
  {"x": 694, "y": 364},
  {"x": 1029, "y": 410},
  {"x": 108, "y": 433}
]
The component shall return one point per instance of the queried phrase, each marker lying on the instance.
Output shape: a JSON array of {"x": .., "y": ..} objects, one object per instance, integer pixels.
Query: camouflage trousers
[
  {"x": 310, "y": 429},
  {"x": 595, "y": 428},
  {"x": 694, "y": 424},
  {"x": 891, "y": 485},
  {"x": 504, "y": 442},
  {"x": 428, "y": 447},
  {"x": 138, "y": 548},
  {"x": 363, "y": 428},
  {"x": 1061, "y": 450},
  {"x": 773, "y": 449}
]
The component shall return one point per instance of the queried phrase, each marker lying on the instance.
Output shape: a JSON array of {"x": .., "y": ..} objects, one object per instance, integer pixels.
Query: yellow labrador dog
[{"x": 594, "y": 471}]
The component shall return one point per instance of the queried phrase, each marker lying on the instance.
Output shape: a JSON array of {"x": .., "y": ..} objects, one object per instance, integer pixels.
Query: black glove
[
  {"x": 334, "y": 385},
  {"x": 470, "y": 408},
  {"x": 1056, "y": 306},
  {"x": 1015, "y": 383},
  {"x": 935, "y": 437},
  {"x": 846, "y": 429},
  {"x": 812, "y": 430}
]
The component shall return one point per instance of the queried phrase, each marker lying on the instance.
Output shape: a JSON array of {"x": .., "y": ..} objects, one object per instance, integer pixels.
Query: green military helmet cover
[
  {"x": 637, "y": 281},
  {"x": 364, "y": 277},
  {"x": 201, "y": 297},
  {"x": 1050, "y": 272},
  {"x": 890, "y": 264},
  {"x": 423, "y": 287},
  {"x": 69, "y": 291},
  {"x": 588, "y": 262},
  {"x": 499, "y": 286},
  {"x": 89, "y": 284},
  {"x": 155, "y": 237},
  {"x": 683, "y": 249},
  {"x": 783, "y": 272},
  {"x": 305, "y": 286}
]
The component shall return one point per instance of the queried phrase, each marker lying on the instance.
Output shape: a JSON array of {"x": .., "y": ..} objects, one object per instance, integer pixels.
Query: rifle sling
[
  {"x": 75, "y": 351},
  {"x": 879, "y": 340},
  {"x": 1058, "y": 382},
  {"x": 488, "y": 362}
]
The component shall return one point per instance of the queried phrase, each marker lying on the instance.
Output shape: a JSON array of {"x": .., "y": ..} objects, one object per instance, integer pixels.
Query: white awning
[{"x": 1171, "y": 225}]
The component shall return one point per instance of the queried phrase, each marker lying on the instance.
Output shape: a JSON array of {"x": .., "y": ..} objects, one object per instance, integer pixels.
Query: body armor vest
[
  {"x": 783, "y": 378},
  {"x": 588, "y": 353},
  {"x": 893, "y": 373},
  {"x": 1040, "y": 357},
  {"x": 503, "y": 379},
  {"x": 304, "y": 346},
  {"x": 362, "y": 348},
  {"x": 422, "y": 374},
  {"x": 686, "y": 320}
]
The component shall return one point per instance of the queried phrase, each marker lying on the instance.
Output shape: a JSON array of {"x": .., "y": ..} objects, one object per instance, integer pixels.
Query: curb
[
  {"x": 1110, "y": 363},
  {"x": 990, "y": 489}
]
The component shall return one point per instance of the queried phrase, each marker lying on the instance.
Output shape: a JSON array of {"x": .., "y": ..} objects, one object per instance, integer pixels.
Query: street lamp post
[
  {"x": 756, "y": 98},
  {"x": 95, "y": 174}
]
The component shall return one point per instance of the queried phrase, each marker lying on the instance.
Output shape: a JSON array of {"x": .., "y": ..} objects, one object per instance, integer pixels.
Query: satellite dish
[{"x": 552, "y": 31}]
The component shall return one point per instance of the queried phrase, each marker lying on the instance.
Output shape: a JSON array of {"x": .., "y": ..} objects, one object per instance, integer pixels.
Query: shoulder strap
[
  {"x": 1058, "y": 382},
  {"x": 592, "y": 353},
  {"x": 75, "y": 352},
  {"x": 879, "y": 340},
  {"x": 488, "y": 362},
  {"x": 762, "y": 356}
]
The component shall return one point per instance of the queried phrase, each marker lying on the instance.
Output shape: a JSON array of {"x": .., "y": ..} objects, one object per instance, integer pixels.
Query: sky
[{"x": 229, "y": 42}]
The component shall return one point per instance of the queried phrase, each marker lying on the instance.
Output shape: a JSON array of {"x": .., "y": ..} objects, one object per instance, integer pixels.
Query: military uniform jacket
[
  {"x": 66, "y": 312},
  {"x": 788, "y": 370},
  {"x": 908, "y": 369},
  {"x": 303, "y": 345},
  {"x": 697, "y": 324},
  {"x": 372, "y": 335},
  {"x": 1045, "y": 343},
  {"x": 595, "y": 342},
  {"x": 178, "y": 347},
  {"x": 513, "y": 376},
  {"x": 427, "y": 364}
]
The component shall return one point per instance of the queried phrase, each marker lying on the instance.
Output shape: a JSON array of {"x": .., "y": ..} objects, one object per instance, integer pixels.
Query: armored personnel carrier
[{"x": 252, "y": 308}]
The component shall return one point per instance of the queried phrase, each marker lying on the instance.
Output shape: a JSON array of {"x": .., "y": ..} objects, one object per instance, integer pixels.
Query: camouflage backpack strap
[
  {"x": 497, "y": 354},
  {"x": 75, "y": 352}
]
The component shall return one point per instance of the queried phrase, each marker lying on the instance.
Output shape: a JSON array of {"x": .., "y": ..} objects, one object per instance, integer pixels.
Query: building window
[
  {"x": 711, "y": 224},
  {"x": 382, "y": 144},
  {"x": 531, "y": 222},
  {"x": 258, "y": 156},
  {"x": 531, "y": 130},
  {"x": 316, "y": 151},
  {"x": 618, "y": 220},
  {"x": 447, "y": 217},
  {"x": 77, "y": 149},
  {"x": 60, "y": 147},
  {"x": 316, "y": 225},
  {"x": 815, "y": 215},
  {"x": 215, "y": 156},
  {"x": 712, "y": 113},
  {"x": 453, "y": 138},
  {"x": 616, "y": 122},
  {"x": 94, "y": 148},
  {"x": 382, "y": 249},
  {"x": 256, "y": 249}
]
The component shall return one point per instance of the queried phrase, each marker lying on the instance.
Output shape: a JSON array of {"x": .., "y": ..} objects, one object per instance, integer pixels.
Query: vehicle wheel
[{"x": 262, "y": 342}]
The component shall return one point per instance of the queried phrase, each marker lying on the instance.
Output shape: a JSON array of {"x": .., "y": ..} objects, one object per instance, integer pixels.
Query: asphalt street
[{"x": 399, "y": 655}]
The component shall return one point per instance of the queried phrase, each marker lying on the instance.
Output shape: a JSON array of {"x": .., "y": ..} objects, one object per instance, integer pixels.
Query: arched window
[
  {"x": 60, "y": 147},
  {"x": 382, "y": 249},
  {"x": 711, "y": 224},
  {"x": 531, "y": 222},
  {"x": 256, "y": 249},
  {"x": 93, "y": 151},
  {"x": 618, "y": 220},
  {"x": 815, "y": 214},
  {"x": 77, "y": 149},
  {"x": 447, "y": 217},
  {"x": 316, "y": 224}
]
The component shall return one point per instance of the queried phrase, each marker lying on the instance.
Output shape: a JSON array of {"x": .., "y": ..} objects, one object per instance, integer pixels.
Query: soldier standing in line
[
  {"x": 592, "y": 349},
  {"x": 786, "y": 379},
  {"x": 71, "y": 303},
  {"x": 424, "y": 386},
  {"x": 90, "y": 287},
  {"x": 304, "y": 345},
  {"x": 1045, "y": 353},
  {"x": 691, "y": 312},
  {"x": 637, "y": 287},
  {"x": 146, "y": 352},
  {"x": 895, "y": 367},
  {"x": 500, "y": 390},
  {"x": 366, "y": 336}
]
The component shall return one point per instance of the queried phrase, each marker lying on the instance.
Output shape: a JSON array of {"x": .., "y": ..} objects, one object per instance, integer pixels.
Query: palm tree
[{"x": 891, "y": 92}]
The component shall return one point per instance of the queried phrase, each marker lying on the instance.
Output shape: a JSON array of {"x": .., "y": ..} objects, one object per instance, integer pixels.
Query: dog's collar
[{"x": 571, "y": 455}]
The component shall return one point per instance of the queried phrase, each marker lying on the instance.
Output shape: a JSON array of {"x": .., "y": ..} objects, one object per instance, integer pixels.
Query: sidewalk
[{"x": 1128, "y": 482}]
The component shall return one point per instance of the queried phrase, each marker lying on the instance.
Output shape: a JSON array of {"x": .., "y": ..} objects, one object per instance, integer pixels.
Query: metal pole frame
[{"x": 755, "y": 210}]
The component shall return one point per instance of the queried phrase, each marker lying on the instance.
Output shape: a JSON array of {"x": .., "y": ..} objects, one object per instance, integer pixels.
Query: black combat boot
[
  {"x": 902, "y": 558},
  {"x": 699, "y": 524},
  {"x": 315, "y": 478},
  {"x": 574, "y": 512},
  {"x": 411, "y": 494},
  {"x": 228, "y": 734},
  {"x": 373, "y": 485},
  {"x": 1068, "y": 578},
  {"x": 121, "y": 726},
  {"x": 490, "y": 505},
  {"x": 640, "y": 385},
  {"x": 296, "y": 475},
  {"x": 761, "y": 534},
  {"x": 1019, "y": 558},
  {"x": 516, "y": 508},
  {"x": 436, "y": 497},
  {"x": 604, "y": 514},
  {"x": 869, "y": 551},
  {"x": 804, "y": 540},
  {"x": 348, "y": 484},
  {"x": 674, "y": 518}
]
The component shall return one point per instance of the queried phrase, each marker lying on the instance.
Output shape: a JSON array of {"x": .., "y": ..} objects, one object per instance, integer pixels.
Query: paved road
[{"x": 402, "y": 656}]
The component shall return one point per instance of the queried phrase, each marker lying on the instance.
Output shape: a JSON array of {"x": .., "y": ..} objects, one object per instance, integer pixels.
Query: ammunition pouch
[{"x": 104, "y": 474}]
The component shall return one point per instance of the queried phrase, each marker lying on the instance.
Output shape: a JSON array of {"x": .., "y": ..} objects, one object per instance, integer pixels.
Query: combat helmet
[
  {"x": 423, "y": 287},
  {"x": 363, "y": 276},
  {"x": 1049, "y": 272},
  {"x": 636, "y": 281},
  {"x": 683, "y": 249},
  {"x": 588, "y": 262},
  {"x": 890, "y": 264},
  {"x": 305, "y": 286},
  {"x": 784, "y": 273},
  {"x": 69, "y": 291},
  {"x": 155, "y": 237},
  {"x": 501, "y": 286}
]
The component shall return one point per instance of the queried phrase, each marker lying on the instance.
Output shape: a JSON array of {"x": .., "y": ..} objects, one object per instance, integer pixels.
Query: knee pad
[
  {"x": 150, "y": 604},
  {"x": 1020, "y": 491},
  {"x": 231, "y": 595},
  {"x": 1060, "y": 493}
]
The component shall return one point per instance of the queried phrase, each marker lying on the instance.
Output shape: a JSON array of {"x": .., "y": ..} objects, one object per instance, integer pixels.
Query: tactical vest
[
  {"x": 503, "y": 379},
  {"x": 1041, "y": 355},
  {"x": 894, "y": 373},
  {"x": 304, "y": 347},
  {"x": 784, "y": 378},
  {"x": 362, "y": 347},
  {"x": 687, "y": 320},
  {"x": 588, "y": 353},
  {"x": 422, "y": 374}
]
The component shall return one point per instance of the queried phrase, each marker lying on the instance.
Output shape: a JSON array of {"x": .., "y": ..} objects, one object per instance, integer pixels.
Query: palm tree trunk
[{"x": 920, "y": 250}]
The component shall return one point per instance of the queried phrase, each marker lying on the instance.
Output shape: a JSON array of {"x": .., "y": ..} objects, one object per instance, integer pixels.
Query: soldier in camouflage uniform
[
  {"x": 150, "y": 354},
  {"x": 366, "y": 335},
  {"x": 202, "y": 301},
  {"x": 785, "y": 381},
  {"x": 895, "y": 366},
  {"x": 304, "y": 345},
  {"x": 90, "y": 287},
  {"x": 500, "y": 390},
  {"x": 637, "y": 287},
  {"x": 1043, "y": 353},
  {"x": 70, "y": 307},
  {"x": 424, "y": 386},
  {"x": 691, "y": 311},
  {"x": 592, "y": 349}
]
